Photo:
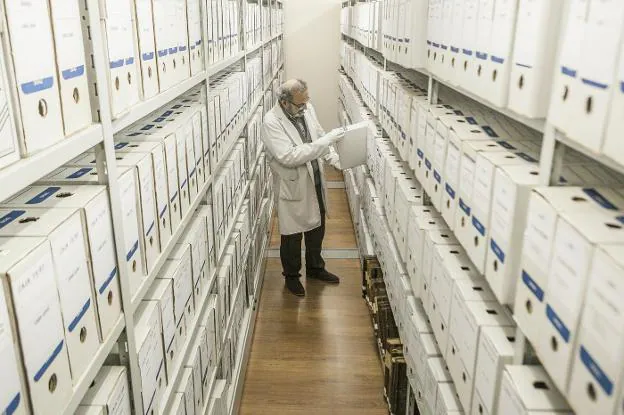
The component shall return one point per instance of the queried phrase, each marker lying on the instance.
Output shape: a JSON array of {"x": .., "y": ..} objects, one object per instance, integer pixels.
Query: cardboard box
[
  {"x": 435, "y": 374},
  {"x": 37, "y": 323},
  {"x": 575, "y": 242},
  {"x": 161, "y": 292},
  {"x": 9, "y": 147},
  {"x": 150, "y": 354},
  {"x": 93, "y": 205},
  {"x": 510, "y": 200},
  {"x": 178, "y": 404},
  {"x": 147, "y": 48},
  {"x": 544, "y": 205},
  {"x": 161, "y": 186},
  {"x": 596, "y": 375},
  {"x": 34, "y": 74},
  {"x": 63, "y": 228},
  {"x": 528, "y": 390},
  {"x": 127, "y": 186},
  {"x": 186, "y": 387},
  {"x": 496, "y": 351},
  {"x": 447, "y": 401},
  {"x": 109, "y": 393},
  {"x": 71, "y": 65},
  {"x": 179, "y": 269},
  {"x": 194, "y": 364},
  {"x": 122, "y": 52}
]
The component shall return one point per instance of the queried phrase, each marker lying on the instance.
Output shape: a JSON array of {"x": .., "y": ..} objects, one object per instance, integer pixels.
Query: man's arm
[{"x": 287, "y": 154}]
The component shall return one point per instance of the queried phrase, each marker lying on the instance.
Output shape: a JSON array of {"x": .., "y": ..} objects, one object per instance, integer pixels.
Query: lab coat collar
[{"x": 293, "y": 133}]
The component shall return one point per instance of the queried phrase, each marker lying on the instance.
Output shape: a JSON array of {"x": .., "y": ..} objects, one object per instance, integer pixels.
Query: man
[{"x": 296, "y": 146}]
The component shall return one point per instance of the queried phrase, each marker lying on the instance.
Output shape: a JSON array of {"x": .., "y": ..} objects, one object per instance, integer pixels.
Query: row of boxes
[
  {"x": 362, "y": 22},
  {"x": 223, "y": 30},
  {"x": 253, "y": 24},
  {"x": 471, "y": 332}
]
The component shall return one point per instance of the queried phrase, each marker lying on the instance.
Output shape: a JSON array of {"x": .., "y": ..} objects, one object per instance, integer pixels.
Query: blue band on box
[
  {"x": 533, "y": 286},
  {"x": 41, "y": 197}
]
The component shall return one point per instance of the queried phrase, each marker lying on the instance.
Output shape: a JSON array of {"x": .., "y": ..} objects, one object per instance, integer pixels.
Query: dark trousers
[{"x": 290, "y": 248}]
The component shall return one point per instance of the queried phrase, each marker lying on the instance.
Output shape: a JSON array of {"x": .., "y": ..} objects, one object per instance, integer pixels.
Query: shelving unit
[{"x": 100, "y": 135}]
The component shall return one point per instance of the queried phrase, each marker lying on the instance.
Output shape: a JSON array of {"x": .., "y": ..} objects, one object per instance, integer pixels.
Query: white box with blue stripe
[
  {"x": 64, "y": 230},
  {"x": 577, "y": 237},
  {"x": 30, "y": 289},
  {"x": 92, "y": 202}
]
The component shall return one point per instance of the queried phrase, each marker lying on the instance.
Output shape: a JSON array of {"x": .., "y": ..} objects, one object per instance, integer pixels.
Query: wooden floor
[{"x": 315, "y": 355}]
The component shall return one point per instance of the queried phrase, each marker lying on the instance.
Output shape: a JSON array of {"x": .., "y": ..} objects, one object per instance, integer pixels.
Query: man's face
[{"x": 297, "y": 106}]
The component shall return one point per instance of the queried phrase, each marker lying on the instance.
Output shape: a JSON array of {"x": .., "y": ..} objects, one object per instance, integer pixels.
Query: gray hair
[{"x": 286, "y": 91}]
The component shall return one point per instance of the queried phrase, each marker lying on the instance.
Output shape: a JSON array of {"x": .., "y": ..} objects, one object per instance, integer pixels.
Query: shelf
[
  {"x": 601, "y": 158},
  {"x": 150, "y": 105},
  {"x": 233, "y": 224},
  {"x": 537, "y": 124},
  {"x": 254, "y": 48},
  {"x": 26, "y": 171},
  {"x": 191, "y": 337},
  {"x": 223, "y": 64},
  {"x": 96, "y": 364}
]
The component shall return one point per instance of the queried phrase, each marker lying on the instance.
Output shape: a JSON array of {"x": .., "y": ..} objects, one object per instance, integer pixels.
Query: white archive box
[
  {"x": 469, "y": 41},
  {"x": 408, "y": 193},
  {"x": 447, "y": 400},
  {"x": 150, "y": 354},
  {"x": 194, "y": 364},
  {"x": 500, "y": 51},
  {"x": 180, "y": 28},
  {"x": 161, "y": 292},
  {"x": 613, "y": 146},
  {"x": 162, "y": 17},
  {"x": 436, "y": 373},
  {"x": 71, "y": 64},
  {"x": 64, "y": 230},
  {"x": 206, "y": 361},
  {"x": 196, "y": 240},
  {"x": 169, "y": 145},
  {"x": 527, "y": 390},
  {"x": 544, "y": 206},
  {"x": 485, "y": 168},
  {"x": 537, "y": 33},
  {"x": 34, "y": 74},
  {"x": 450, "y": 284},
  {"x": 599, "y": 51},
  {"x": 35, "y": 314},
  {"x": 433, "y": 237},
  {"x": 127, "y": 186},
  {"x": 9, "y": 147},
  {"x": 179, "y": 269},
  {"x": 596, "y": 376},
  {"x": 92, "y": 202},
  {"x": 109, "y": 393},
  {"x": 422, "y": 219},
  {"x": 178, "y": 404},
  {"x": 575, "y": 242},
  {"x": 123, "y": 73},
  {"x": 563, "y": 111},
  {"x": 477, "y": 79},
  {"x": 510, "y": 200},
  {"x": 13, "y": 397},
  {"x": 147, "y": 48},
  {"x": 186, "y": 387},
  {"x": 415, "y": 326},
  {"x": 195, "y": 36},
  {"x": 141, "y": 164},
  {"x": 496, "y": 351},
  {"x": 160, "y": 182},
  {"x": 467, "y": 321}
]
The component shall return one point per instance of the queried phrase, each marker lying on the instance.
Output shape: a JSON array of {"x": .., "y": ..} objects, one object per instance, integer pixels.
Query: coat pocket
[{"x": 289, "y": 185}]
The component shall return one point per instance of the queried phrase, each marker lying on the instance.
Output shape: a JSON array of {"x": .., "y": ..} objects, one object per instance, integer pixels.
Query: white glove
[{"x": 334, "y": 136}]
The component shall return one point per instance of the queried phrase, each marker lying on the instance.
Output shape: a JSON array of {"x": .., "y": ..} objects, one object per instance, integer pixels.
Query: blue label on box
[
  {"x": 450, "y": 191},
  {"x": 80, "y": 172},
  {"x": 436, "y": 175},
  {"x": 71, "y": 73},
  {"x": 13, "y": 405},
  {"x": 74, "y": 323},
  {"x": 38, "y": 85},
  {"x": 464, "y": 207},
  {"x": 478, "y": 226},
  {"x": 597, "y": 197},
  {"x": 489, "y": 131},
  {"x": 10, "y": 217},
  {"x": 559, "y": 325},
  {"x": 119, "y": 146},
  {"x": 533, "y": 286},
  {"x": 44, "y": 195},
  {"x": 506, "y": 145},
  {"x": 568, "y": 71},
  {"x": 497, "y": 251},
  {"x": 57, "y": 350},
  {"x": 594, "y": 368},
  {"x": 132, "y": 251},
  {"x": 108, "y": 280}
]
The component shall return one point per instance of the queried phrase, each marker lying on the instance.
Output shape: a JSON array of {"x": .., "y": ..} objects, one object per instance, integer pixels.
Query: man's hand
[{"x": 335, "y": 135}]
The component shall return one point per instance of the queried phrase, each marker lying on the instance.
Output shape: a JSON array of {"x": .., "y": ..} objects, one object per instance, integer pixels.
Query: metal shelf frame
[{"x": 100, "y": 136}]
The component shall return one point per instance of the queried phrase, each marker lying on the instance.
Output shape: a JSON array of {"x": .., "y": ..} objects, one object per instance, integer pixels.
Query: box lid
[
  {"x": 61, "y": 196},
  {"x": 534, "y": 388},
  {"x": 13, "y": 250},
  {"x": 104, "y": 385},
  {"x": 33, "y": 221}
]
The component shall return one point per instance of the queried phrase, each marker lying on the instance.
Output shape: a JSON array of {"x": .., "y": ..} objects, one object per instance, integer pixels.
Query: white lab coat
[{"x": 293, "y": 176}]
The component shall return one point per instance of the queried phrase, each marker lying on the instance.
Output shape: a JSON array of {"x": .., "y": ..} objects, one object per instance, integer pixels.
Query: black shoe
[
  {"x": 295, "y": 286},
  {"x": 324, "y": 276}
]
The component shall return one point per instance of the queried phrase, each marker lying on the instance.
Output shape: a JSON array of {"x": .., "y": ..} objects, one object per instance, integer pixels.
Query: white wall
[{"x": 312, "y": 52}]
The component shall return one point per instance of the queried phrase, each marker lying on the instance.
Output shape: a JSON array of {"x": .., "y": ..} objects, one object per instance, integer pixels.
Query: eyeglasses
[{"x": 299, "y": 106}]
